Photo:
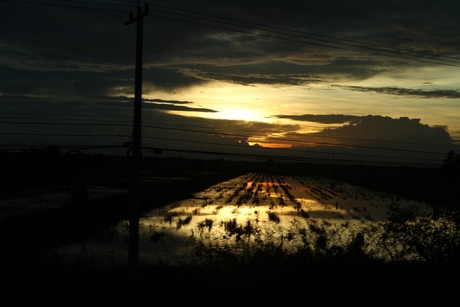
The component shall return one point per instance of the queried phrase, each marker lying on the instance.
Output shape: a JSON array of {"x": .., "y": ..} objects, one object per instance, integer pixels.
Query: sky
[{"x": 302, "y": 81}]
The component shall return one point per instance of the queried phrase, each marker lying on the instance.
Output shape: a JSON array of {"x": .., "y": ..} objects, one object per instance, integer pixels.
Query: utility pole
[{"x": 133, "y": 249}]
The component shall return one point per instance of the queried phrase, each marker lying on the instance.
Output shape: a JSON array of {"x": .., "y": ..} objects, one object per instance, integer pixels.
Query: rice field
[{"x": 256, "y": 211}]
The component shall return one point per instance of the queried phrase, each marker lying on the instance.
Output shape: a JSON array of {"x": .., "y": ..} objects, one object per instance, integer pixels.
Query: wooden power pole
[{"x": 133, "y": 249}]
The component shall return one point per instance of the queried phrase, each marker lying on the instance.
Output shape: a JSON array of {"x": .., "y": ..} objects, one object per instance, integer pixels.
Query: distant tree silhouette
[
  {"x": 53, "y": 150},
  {"x": 432, "y": 238},
  {"x": 450, "y": 168},
  {"x": 268, "y": 164}
]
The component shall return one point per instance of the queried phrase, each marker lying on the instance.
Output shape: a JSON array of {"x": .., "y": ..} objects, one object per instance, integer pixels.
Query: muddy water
[{"x": 239, "y": 215}]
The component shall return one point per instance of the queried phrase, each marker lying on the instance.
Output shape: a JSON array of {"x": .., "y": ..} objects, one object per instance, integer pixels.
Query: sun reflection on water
[{"x": 249, "y": 210}]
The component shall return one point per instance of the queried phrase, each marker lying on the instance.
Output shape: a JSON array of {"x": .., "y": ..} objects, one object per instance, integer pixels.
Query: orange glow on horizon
[{"x": 270, "y": 145}]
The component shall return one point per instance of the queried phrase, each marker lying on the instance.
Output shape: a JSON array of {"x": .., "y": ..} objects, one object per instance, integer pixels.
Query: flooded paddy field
[
  {"x": 42, "y": 199},
  {"x": 247, "y": 213},
  {"x": 237, "y": 232}
]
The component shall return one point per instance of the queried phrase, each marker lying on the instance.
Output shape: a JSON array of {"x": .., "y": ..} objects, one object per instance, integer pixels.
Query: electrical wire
[
  {"x": 246, "y": 155},
  {"x": 283, "y": 158},
  {"x": 64, "y": 5},
  {"x": 370, "y": 13},
  {"x": 253, "y": 28},
  {"x": 131, "y": 5},
  {"x": 290, "y": 150},
  {"x": 228, "y": 134},
  {"x": 305, "y": 42},
  {"x": 350, "y": 8},
  {"x": 214, "y": 130},
  {"x": 303, "y": 34},
  {"x": 64, "y": 134},
  {"x": 338, "y": 42}
]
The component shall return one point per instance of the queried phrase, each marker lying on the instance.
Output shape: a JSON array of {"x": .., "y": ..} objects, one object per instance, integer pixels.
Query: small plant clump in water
[
  {"x": 182, "y": 222},
  {"x": 273, "y": 217},
  {"x": 304, "y": 214},
  {"x": 207, "y": 223},
  {"x": 157, "y": 236},
  {"x": 169, "y": 217}
]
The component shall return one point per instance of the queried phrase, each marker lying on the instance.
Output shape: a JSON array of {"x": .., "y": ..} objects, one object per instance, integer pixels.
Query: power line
[
  {"x": 306, "y": 42},
  {"x": 320, "y": 143},
  {"x": 235, "y": 132},
  {"x": 290, "y": 150},
  {"x": 287, "y": 149},
  {"x": 66, "y": 5},
  {"x": 342, "y": 8},
  {"x": 64, "y": 119},
  {"x": 369, "y": 48},
  {"x": 303, "y": 141},
  {"x": 214, "y": 143},
  {"x": 286, "y": 158},
  {"x": 64, "y": 134},
  {"x": 65, "y": 124},
  {"x": 256, "y": 156},
  {"x": 132, "y": 6},
  {"x": 331, "y": 39},
  {"x": 370, "y": 13},
  {"x": 244, "y": 136}
]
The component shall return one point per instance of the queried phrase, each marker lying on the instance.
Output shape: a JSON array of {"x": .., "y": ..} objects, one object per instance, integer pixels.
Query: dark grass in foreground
[
  {"x": 269, "y": 275},
  {"x": 292, "y": 280}
]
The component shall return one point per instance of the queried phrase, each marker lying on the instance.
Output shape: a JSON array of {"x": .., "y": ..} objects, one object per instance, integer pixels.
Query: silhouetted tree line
[{"x": 450, "y": 168}]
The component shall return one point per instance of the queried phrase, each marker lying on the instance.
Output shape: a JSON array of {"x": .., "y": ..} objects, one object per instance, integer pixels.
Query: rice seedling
[
  {"x": 183, "y": 222},
  {"x": 273, "y": 217},
  {"x": 304, "y": 214},
  {"x": 206, "y": 224},
  {"x": 156, "y": 236},
  {"x": 168, "y": 217}
]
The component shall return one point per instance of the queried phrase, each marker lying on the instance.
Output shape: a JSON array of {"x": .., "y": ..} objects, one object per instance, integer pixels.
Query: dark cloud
[
  {"x": 187, "y": 44},
  {"x": 105, "y": 106},
  {"x": 249, "y": 79},
  {"x": 74, "y": 64},
  {"x": 407, "y": 92},
  {"x": 63, "y": 84},
  {"x": 168, "y": 101},
  {"x": 327, "y": 32},
  {"x": 380, "y": 128},
  {"x": 169, "y": 79},
  {"x": 107, "y": 121},
  {"x": 379, "y": 139},
  {"x": 150, "y": 104},
  {"x": 81, "y": 83},
  {"x": 169, "y": 107},
  {"x": 323, "y": 119},
  {"x": 55, "y": 38}
]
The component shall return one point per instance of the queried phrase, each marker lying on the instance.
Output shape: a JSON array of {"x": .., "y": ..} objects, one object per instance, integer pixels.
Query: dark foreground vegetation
[{"x": 29, "y": 276}]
